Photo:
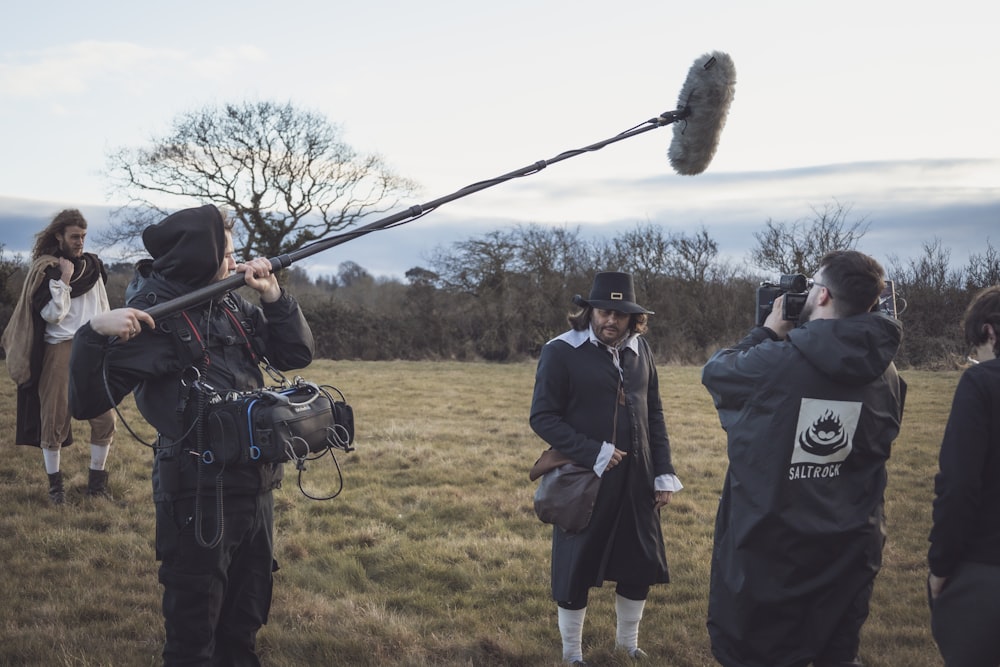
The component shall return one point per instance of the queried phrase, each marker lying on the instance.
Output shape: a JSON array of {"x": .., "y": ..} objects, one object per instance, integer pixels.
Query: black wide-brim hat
[{"x": 612, "y": 290}]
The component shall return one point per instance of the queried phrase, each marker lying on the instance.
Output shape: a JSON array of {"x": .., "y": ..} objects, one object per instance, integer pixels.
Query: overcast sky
[{"x": 889, "y": 107}]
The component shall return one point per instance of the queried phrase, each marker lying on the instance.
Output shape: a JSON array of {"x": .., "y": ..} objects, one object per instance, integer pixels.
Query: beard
[
  {"x": 806, "y": 314},
  {"x": 611, "y": 335},
  {"x": 67, "y": 251}
]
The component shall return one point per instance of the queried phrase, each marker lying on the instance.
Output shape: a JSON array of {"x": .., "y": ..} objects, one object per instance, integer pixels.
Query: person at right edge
[
  {"x": 810, "y": 412},
  {"x": 964, "y": 556},
  {"x": 214, "y": 523},
  {"x": 597, "y": 401}
]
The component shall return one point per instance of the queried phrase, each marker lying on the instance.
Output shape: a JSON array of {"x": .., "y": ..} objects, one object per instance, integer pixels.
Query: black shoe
[
  {"x": 97, "y": 484},
  {"x": 56, "y": 494}
]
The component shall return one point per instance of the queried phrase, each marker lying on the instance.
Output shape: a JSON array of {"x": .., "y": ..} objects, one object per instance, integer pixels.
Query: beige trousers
[{"x": 53, "y": 394}]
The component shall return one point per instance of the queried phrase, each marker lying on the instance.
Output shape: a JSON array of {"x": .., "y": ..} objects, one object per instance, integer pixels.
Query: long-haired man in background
[{"x": 64, "y": 289}]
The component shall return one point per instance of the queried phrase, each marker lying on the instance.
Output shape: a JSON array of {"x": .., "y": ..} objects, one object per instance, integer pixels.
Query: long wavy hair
[
  {"x": 46, "y": 242},
  {"x": 580, "y": 320}
]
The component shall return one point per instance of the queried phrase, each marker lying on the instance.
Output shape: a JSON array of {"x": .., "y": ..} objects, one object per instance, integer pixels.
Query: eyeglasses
[
  {"x": 973, "y": 356},
  {"x": 812, "y": 283}
]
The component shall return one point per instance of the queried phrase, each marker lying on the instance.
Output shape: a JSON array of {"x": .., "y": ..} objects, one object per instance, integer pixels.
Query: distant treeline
[{"x": 501, "y": 296}]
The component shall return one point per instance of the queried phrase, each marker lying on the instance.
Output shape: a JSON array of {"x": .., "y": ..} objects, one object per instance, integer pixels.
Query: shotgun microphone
[
  {"x": 698, "y": 121},
  {"x": 702, "y": 107}
]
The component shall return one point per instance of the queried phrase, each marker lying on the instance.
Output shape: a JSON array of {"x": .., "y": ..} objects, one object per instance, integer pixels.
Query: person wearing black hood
[
  {"x": 811, "y": 413},
  {"x": 64, "y": 288},
  {"x": 214, "y": 523}
]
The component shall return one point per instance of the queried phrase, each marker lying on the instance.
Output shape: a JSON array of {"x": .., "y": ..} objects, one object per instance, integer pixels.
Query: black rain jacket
[
  {"x": 235, "y": 332},
  {"x": 800, "y": 529}
]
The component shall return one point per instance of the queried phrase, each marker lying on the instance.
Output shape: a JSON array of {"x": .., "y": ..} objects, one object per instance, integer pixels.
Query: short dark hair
[
  {"x": 854, "y": 279},
  {"x": 983, "y": 309},
  {"x": 580, "y": 320},
  {"x": 46, "y": 242}
]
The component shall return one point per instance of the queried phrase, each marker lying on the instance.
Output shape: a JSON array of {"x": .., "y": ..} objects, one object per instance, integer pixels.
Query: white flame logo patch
[{"x": 825, "y": 432}]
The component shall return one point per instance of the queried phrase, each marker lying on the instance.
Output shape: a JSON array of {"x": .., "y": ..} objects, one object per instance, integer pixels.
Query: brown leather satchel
[
  {"x": 566, "y": 494},
  {"x": 549, "y": 460}
]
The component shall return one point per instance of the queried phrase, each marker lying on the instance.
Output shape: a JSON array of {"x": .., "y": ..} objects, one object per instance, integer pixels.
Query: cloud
[
  {"x": 78, "y": 68},
  {"x": 906, "y": 203}
]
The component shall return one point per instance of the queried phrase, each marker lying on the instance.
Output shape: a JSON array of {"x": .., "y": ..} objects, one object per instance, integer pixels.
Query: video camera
[{"x": 794, "y": 286}]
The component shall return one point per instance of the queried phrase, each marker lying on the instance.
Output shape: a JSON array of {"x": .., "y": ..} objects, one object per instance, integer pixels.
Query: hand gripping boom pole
[{"x": 704, "y": 102}]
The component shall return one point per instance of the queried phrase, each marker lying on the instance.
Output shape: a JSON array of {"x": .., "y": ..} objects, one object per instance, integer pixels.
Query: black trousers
[
  {"x": 965, "y": 618},
  {"x": 215, "y": 599}
]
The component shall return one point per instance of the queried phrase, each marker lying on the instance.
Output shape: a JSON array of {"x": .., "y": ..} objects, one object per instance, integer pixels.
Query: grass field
[{"x": 432, "y": 554}]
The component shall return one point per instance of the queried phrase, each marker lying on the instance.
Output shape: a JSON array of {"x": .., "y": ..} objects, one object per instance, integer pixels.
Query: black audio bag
[{"x": 277, "y": 425}]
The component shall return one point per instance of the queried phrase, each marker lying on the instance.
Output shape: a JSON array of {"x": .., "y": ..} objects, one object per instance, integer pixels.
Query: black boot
[
  {"x": 97, "y": 484},
  {"x": 56, "y": 493}
]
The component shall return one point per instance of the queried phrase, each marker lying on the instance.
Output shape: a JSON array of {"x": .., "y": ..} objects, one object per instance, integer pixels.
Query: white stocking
[
  {"x": 629, "y": 614},
  {"x": 52, "y": 457},
  {"x": 571, "y": 629},
  {"x": 98, "y": 456}
]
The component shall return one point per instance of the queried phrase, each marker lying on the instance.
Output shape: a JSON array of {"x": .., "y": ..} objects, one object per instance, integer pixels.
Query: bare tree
[
  {"x": 480, "y": 270},
  {"x": 9, "y": 265},
  {"x": 284, "y": 174},
  {"x": 797, "y": 247},
  {"x": 694, "y": 257},
  {"x": 983, "y": 269},
  {"x": 644, "y": 251},
  {"x": 934, "y": 299},
  {"x": 552, "y": 266}
]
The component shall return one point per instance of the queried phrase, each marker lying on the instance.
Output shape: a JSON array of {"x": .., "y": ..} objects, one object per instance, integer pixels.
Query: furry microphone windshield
[{"x": 704, "y": 101}]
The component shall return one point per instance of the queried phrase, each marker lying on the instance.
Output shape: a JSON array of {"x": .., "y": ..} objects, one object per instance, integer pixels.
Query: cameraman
[
  {"x": 811, "y": 413},
  {"x": 214, "y": 523}
]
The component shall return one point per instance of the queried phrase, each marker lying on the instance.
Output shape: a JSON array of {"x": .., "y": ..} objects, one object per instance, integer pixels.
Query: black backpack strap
[{"x": 245, "y": 327}]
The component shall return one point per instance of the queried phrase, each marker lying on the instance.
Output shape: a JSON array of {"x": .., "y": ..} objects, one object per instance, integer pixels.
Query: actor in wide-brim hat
[
  {"x": 597, "y": 403},
  {"x": 612, "y": 290}
]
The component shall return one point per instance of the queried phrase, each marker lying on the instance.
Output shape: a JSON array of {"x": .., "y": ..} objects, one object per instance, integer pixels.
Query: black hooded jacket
[
  {"x": 799, "y": 531},
  {"x": 221, "y": 340}
]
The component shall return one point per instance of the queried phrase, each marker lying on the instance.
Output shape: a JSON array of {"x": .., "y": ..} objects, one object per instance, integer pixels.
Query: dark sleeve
[
  {"x": 958, "y": 486},
  {"x": 731, "y": 374},
  {"x": 550, "y": 404},
  {"x": 43, "y": 294},
  {"x": 103, "y": 370},
  {"x": 282, "y": 333},
  {"x": 659, "y": 441},
  {"x": 94, "y": 386}
]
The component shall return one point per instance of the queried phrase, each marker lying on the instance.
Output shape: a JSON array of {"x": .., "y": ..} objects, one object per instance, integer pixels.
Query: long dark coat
[
  {"x": 573, "y": 410},
  {"x": 800, "y": 528}
]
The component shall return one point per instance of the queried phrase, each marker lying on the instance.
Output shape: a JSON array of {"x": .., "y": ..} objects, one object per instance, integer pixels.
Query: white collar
[{"x": 578, "y": 338}]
